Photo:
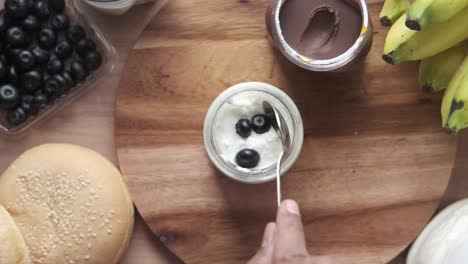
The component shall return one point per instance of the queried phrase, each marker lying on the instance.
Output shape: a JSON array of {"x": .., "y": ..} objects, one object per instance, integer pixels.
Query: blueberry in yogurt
[
  {"x": 260, "y": 124},
  {"x": 244, "y": 128},
  {"x": 247, "y": 158}
]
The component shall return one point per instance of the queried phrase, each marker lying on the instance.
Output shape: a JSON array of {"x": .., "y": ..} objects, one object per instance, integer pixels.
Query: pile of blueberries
[
  {"x": 260, "y": 124},
  {"x": 42, "y": 56}
]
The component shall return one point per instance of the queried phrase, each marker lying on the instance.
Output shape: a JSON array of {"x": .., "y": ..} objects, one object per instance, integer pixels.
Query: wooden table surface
[{"x": 90, "y": 122}]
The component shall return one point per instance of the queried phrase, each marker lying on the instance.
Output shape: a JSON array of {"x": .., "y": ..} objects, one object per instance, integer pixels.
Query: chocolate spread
[{"x": 320, "y": 29}]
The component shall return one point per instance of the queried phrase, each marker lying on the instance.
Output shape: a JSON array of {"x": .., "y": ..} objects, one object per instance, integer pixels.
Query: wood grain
[{"x": 374, "y": 166}]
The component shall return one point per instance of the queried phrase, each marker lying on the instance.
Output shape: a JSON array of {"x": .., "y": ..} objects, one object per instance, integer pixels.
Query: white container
[
  {"x": 279, "y": 100},
  {"x": 445, "y": 239},
  {"x": 118, "y": 7}
]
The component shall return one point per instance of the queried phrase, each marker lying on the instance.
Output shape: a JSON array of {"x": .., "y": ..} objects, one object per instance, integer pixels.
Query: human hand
[{"x": 284, "y": 241}]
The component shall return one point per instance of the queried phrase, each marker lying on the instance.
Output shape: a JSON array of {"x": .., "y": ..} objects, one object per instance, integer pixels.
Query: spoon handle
[{"x": 278, "y": 179}]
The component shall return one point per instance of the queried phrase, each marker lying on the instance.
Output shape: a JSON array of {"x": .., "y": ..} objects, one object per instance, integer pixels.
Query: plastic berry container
[{"x": 78, "y": 16}]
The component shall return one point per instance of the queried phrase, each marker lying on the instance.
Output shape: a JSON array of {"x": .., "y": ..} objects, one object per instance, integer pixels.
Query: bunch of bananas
[{"x": 435, "y": 32}]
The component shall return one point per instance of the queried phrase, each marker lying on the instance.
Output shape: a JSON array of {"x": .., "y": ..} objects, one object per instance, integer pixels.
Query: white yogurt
[{"x": 229, "y": 143}]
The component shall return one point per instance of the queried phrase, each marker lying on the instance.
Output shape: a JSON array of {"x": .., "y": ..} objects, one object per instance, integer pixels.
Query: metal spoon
[{"x": 280, "y": 126}]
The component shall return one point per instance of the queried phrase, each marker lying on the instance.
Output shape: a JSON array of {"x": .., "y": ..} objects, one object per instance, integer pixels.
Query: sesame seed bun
[
  {"x": 70, "y": 204},
  {"x": 12, "y": 247}
]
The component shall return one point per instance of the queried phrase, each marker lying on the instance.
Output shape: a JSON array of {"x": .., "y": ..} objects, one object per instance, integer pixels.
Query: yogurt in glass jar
[{"x": 240, "y": 138}]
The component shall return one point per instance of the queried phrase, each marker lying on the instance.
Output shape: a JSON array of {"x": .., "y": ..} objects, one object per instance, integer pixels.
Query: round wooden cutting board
[{"x": 375, "y": 161}]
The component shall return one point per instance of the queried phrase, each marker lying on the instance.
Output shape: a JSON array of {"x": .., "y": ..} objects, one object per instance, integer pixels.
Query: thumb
[
  {"x": 265, "y": 254},
  {"x": 290, "y": 240}
]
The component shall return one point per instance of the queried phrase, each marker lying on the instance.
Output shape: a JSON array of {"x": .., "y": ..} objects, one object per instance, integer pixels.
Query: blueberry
[
  {"x": 75, "y": 33},
  {"x": 30, "y": 23},
  {"x": 54, "y": 66},
  {"x": 30, "y": 5},
  {"x": 46, "y": 38},
  {"x": 12, "y": 74},
  {"x": 244, "y": 128},
  {"x": 3, "y": 70},
  {"x": 17, "y": 8},
  {"x": 260, "y": 124},
  {"x": 39, "y": 102},
  {"x": 17, "y": 116},
  {"x": 31, "y": 81},
  {"x": 41, "y": 8},
  {"x": 63, "y": 49},
  {"x": 60, "y": 22},
  {"x": 63, "y": 82},
  {"x": 9, "y": 96},
  {"x": 41, "y": 55},
  {"x": 271, "y": 117},
  {"x": 78, "y": 71},
  {"x": 12, "y": 54},
  {"x": 25, "y": 60},
  {"x": 92, "y": 60},
  {"x": 26, "y": 102},
  {"x": 28, "y": 39},
  {"x": 247, "y": 158},
  {"x": 15, "y": 36},
  {"x": 54, "y": 86},
  {"x": 3, "y": 23},
  {"x": 69, "y": 82},
  {"x": 57, "y": 6},
  {"x": 85, "y": 46}
]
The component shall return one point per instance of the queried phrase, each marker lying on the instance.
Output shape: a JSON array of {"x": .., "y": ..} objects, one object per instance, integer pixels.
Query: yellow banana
[
  {"x": 455, "y": 103},
  {"x": 391, "y": 11},
  {"x": 403, "y": 44},
  {"x": 423, "y": 13},
  {"x": 436, "y": 72},
  {"x": 397, "y": 35}
]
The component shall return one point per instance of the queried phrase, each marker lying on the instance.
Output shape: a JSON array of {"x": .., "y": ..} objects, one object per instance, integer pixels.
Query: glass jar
[
  {"x": 212, "y": 134},
  {"x": 344, "y": 61}
]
